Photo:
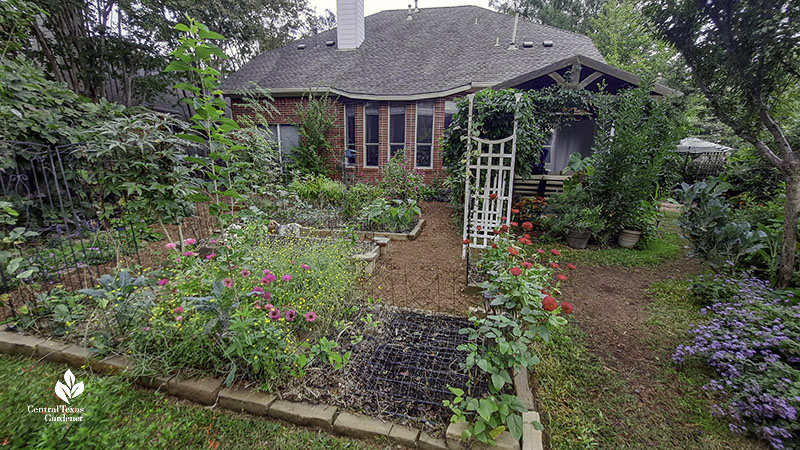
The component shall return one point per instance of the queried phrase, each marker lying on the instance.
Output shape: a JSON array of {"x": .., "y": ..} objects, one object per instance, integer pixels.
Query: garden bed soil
[{"x": 428, "y": 272}]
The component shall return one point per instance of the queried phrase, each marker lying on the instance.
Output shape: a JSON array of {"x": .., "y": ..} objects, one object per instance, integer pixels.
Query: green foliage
[
  {"x": 572, "y": 212},
  {"x": 635, "y": 133},
  {"x": 16, "y": 18},
  {"x": 396, "y": 216},
  {"x": 572, "y": 15},
  {"x": 748, "y": 172},
  {"x": 56, "y": 312},
  {"x": 359, "y": 195},
  {"x": 315, "y": 119},
  {"x": 319, "y": 189},
  {"x": 399, "y": 181},
  {"x": 256, "y": 164},
  {"x": 135, "y": 164}
]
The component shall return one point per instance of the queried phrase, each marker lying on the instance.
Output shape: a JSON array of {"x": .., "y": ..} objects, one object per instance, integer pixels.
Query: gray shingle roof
[{"x": 440, "y": 49}]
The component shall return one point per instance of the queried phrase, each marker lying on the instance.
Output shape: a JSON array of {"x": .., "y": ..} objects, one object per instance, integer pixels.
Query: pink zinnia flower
[
  {"x": 541, "y": 252},
  {"x": 267, "y": 272},
  {"x": 290, "y": 315},
  {"x": 188, "y": 254},
  {"x": 228, "y": 282},
  {"x": 305, "y": 266},
  {"x": 163, "y": 282},
  {"x": 213, "y": 241},
  {"x": 245, "y": 273},
  {"x": 269, "y": 306},
  {"x": 311, "y": 316},
  {"x": 275, "y": 314},
  {"x": 178, "y": 309},
  {"x": 258, "y": 289},
  {"x": 286, "y": 278},
  {"x": 178, "y": 319},
  {"x": 211, "y": 256},
  {"x": 146, "y": 329},
  {"x": 267, "y": 295},
  {"x": 191, "y": 241},
  {"x": 177, "y": 260},
  {"x": 170, "y": 245}
]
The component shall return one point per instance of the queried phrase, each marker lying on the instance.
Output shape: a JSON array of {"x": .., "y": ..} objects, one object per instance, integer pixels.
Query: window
[
  {"x": 424, "y": 151},
  {"x": 371, "y": 151},
  {"x": 547, "y": 151},
  {"x": 450, "y": 108},
  {"x": 397, "y": 127},
  {"x": 350, "y": 135},
  {"x": 287, "y": 138}
]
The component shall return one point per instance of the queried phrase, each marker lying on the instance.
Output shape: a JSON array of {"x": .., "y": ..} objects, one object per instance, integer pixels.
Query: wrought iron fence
[{"x": 51, "y": 235}]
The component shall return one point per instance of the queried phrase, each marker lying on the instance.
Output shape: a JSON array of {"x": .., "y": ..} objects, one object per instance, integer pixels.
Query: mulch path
[{"x": 428, "y": 272}]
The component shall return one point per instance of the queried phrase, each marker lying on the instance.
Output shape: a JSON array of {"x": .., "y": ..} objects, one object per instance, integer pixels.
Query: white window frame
[
  {"x": 364, "y": 133},
  {"x": 389, "y": 128},
  {"x": 346, "y": 162},
  {"x": 548, "y": 165},
  {"x": 433, "y": 128}
]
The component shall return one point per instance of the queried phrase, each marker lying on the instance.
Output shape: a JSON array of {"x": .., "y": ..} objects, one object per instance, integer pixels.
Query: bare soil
[{"x": 428, "y": 272}]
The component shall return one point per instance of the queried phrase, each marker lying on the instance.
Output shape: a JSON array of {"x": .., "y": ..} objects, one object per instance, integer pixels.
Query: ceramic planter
[
  {"x": 629, "y": 238},
  {"x": 578, "y": 239}
]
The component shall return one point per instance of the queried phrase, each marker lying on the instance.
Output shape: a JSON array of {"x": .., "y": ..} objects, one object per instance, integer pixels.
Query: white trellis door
[{"x": 489, "y": 184}]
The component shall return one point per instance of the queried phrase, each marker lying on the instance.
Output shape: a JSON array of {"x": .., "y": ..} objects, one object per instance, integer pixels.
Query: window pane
[
  {"x": 350, "y": 134},
  {"x": 450, "y": 108},
  {"x": 397, "y": 125},
  {"x": 448, "y": 119},
  {"x": 395, "y": 148},
  {"x": 371, "y": 129},
  {"x": 425, "y": 129},
  {"x": 424, "y": 155},
  {"x": 289, "y": 138},
  {"x": 425, "y": 108},
  {"x": 372, "y": 155}
]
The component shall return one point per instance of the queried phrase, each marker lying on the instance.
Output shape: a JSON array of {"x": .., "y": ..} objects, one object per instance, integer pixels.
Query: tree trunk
[{"x": 788, "y": 250}]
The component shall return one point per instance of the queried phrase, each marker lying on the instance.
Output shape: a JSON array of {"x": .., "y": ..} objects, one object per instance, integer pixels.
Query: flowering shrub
[
  {"x": 399, "y": 181},
  {"x": 521, "y": 309},
  {"x": 752, "y": 341}
]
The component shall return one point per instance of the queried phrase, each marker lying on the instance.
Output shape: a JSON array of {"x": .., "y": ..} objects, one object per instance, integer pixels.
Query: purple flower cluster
[{"x": 752, "y": 340}]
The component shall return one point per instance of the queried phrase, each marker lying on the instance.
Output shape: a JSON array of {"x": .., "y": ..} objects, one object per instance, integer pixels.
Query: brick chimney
[{"x": 349, "y": 23}]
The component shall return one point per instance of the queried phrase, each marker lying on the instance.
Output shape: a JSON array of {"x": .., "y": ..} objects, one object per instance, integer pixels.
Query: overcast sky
[{"x": 373, "y": 6}]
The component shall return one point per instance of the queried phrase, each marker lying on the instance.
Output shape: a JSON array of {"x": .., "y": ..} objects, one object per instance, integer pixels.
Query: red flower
[
  {"x": 513, "y": 224},
  {"x": 527, "y": 264},
  {"x": 466, "y": 241},
  {"x": 567, "y": 307},
  {"x": 527, "y": 225},
  {"x": 526, "y": 236},
  {"x": 554, "y": 265},
  {"x": 571, "y": 266},
  {"x": 545, "y": 292},
  {"x": 562, "y": 277},
  {"x": 549, "y": 303},
  {"x": 555, "y": 252},
  {"x": 503, "y": 217},
  {"x": 479, "y": 228},
  {"x": 515, "y": 211},
  {"x": 494, "y": 245},
  {"x": 516, "y": 271},
  {"x": 504, "y": 228},
  {"x": 513, "y": 252},
  {"x": 492, "y": 196},
  {"x": 541, "y": 252}
]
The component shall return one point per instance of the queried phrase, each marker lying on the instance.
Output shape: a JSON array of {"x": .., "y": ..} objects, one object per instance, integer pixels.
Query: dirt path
[{"x": 427, "y": 272}]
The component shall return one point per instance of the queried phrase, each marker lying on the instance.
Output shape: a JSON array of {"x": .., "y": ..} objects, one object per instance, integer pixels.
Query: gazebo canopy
[{"x": 696, "y": 146}]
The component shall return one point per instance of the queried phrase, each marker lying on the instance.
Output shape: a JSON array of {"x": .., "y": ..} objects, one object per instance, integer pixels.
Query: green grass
[
  {"x": 665, "y": 246},
  {"x": 117, "y": 415},
  {"x": 587, "y": 403}
]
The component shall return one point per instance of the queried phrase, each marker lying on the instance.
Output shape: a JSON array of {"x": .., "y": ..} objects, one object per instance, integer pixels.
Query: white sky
[{"x": 373, "y": 6}]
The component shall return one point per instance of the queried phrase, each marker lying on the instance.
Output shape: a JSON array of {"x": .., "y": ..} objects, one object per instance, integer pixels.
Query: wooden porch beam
[
  {"x": 588, "y": 80},
  {"x": 575, "y": 74},
  {"x": 559, "y": 79}
]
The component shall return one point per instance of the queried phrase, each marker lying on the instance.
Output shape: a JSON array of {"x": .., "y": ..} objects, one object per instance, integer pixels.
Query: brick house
[{"x": 395, "y": 75}]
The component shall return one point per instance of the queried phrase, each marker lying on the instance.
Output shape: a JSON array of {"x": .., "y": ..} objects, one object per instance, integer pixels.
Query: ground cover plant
[
  {"x": 750, "y": 339},
  {"x": 117, "y": 414}
]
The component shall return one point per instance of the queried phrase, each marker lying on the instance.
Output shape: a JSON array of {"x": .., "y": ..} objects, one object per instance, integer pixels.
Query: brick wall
[{"x": 286, "y": 114}]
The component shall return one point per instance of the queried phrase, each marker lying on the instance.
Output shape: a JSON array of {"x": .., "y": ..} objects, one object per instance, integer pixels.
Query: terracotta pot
[
  {"x": 629, "y": 238},
  {"x": 578, "y": 239}
]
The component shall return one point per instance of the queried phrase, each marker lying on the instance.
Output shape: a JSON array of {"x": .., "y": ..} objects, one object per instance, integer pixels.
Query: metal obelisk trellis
[{"x": 489, "y": 184}]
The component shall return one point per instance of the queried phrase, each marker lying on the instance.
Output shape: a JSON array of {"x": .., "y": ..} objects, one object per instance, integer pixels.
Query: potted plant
[
  {"x": 584, "y": 223},
  {"x": 643, "y": 221}
]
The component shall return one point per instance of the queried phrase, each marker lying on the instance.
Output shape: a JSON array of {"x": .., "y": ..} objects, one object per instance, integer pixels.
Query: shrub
[
  {"x": 400, "y": 182},
  {"x": 750, "y": 340},
  {"x": 257, "y": 164},
  {"x": 319, "y": 189},
  {"x": 358, "y": 196},
  {"x": 395, "y": 216},
  {"x": 315, "y": 119}
]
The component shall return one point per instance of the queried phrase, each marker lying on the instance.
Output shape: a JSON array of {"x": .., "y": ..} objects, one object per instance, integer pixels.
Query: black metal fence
[{"x": 51, "y": 235}]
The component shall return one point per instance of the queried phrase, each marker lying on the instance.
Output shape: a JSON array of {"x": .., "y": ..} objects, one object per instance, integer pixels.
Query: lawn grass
[
  {"x": 588, "y": 404},
  {"x": 118, "y": 415},
  {"x": 666, "y": 245}
]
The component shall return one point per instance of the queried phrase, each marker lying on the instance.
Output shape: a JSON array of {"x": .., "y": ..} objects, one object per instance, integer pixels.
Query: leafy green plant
[
  {"x": 399, "y": 181},
  {"x": 324, "y": 350},
  {"x": 316, "y": 117},
  {"x": 359, "y": 195},
  {"x": 395, "y": 216},
  {"x": 56, "y": 312},
  {"x": 319, "y": 189}
]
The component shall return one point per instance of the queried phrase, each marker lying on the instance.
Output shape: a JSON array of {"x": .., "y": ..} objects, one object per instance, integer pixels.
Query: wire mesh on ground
[{"x": 432, "y": 288}]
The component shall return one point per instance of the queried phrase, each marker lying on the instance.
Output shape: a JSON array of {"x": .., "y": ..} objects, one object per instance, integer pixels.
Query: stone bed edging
[{"x": 210, "y": 391}]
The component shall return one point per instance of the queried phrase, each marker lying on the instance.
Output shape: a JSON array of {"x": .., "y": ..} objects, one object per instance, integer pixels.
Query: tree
[
  {"x": 570, "y": 15},
  {"x": 745, "y": 58}
]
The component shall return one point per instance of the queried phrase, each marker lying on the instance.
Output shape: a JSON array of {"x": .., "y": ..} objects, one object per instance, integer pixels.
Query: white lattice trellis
[{"x": 488, "y": 186}]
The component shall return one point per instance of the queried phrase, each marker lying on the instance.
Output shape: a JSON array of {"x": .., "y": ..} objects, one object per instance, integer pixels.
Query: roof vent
[
  {"x": 547, "y": 43},
  {"x": 527, "y": 44},
  {"x": 301, "y": 46},
  {"x": 330, "y": 43},
  {"x": 409, "y": 12},
  {"x": 416, "y": 7}
]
